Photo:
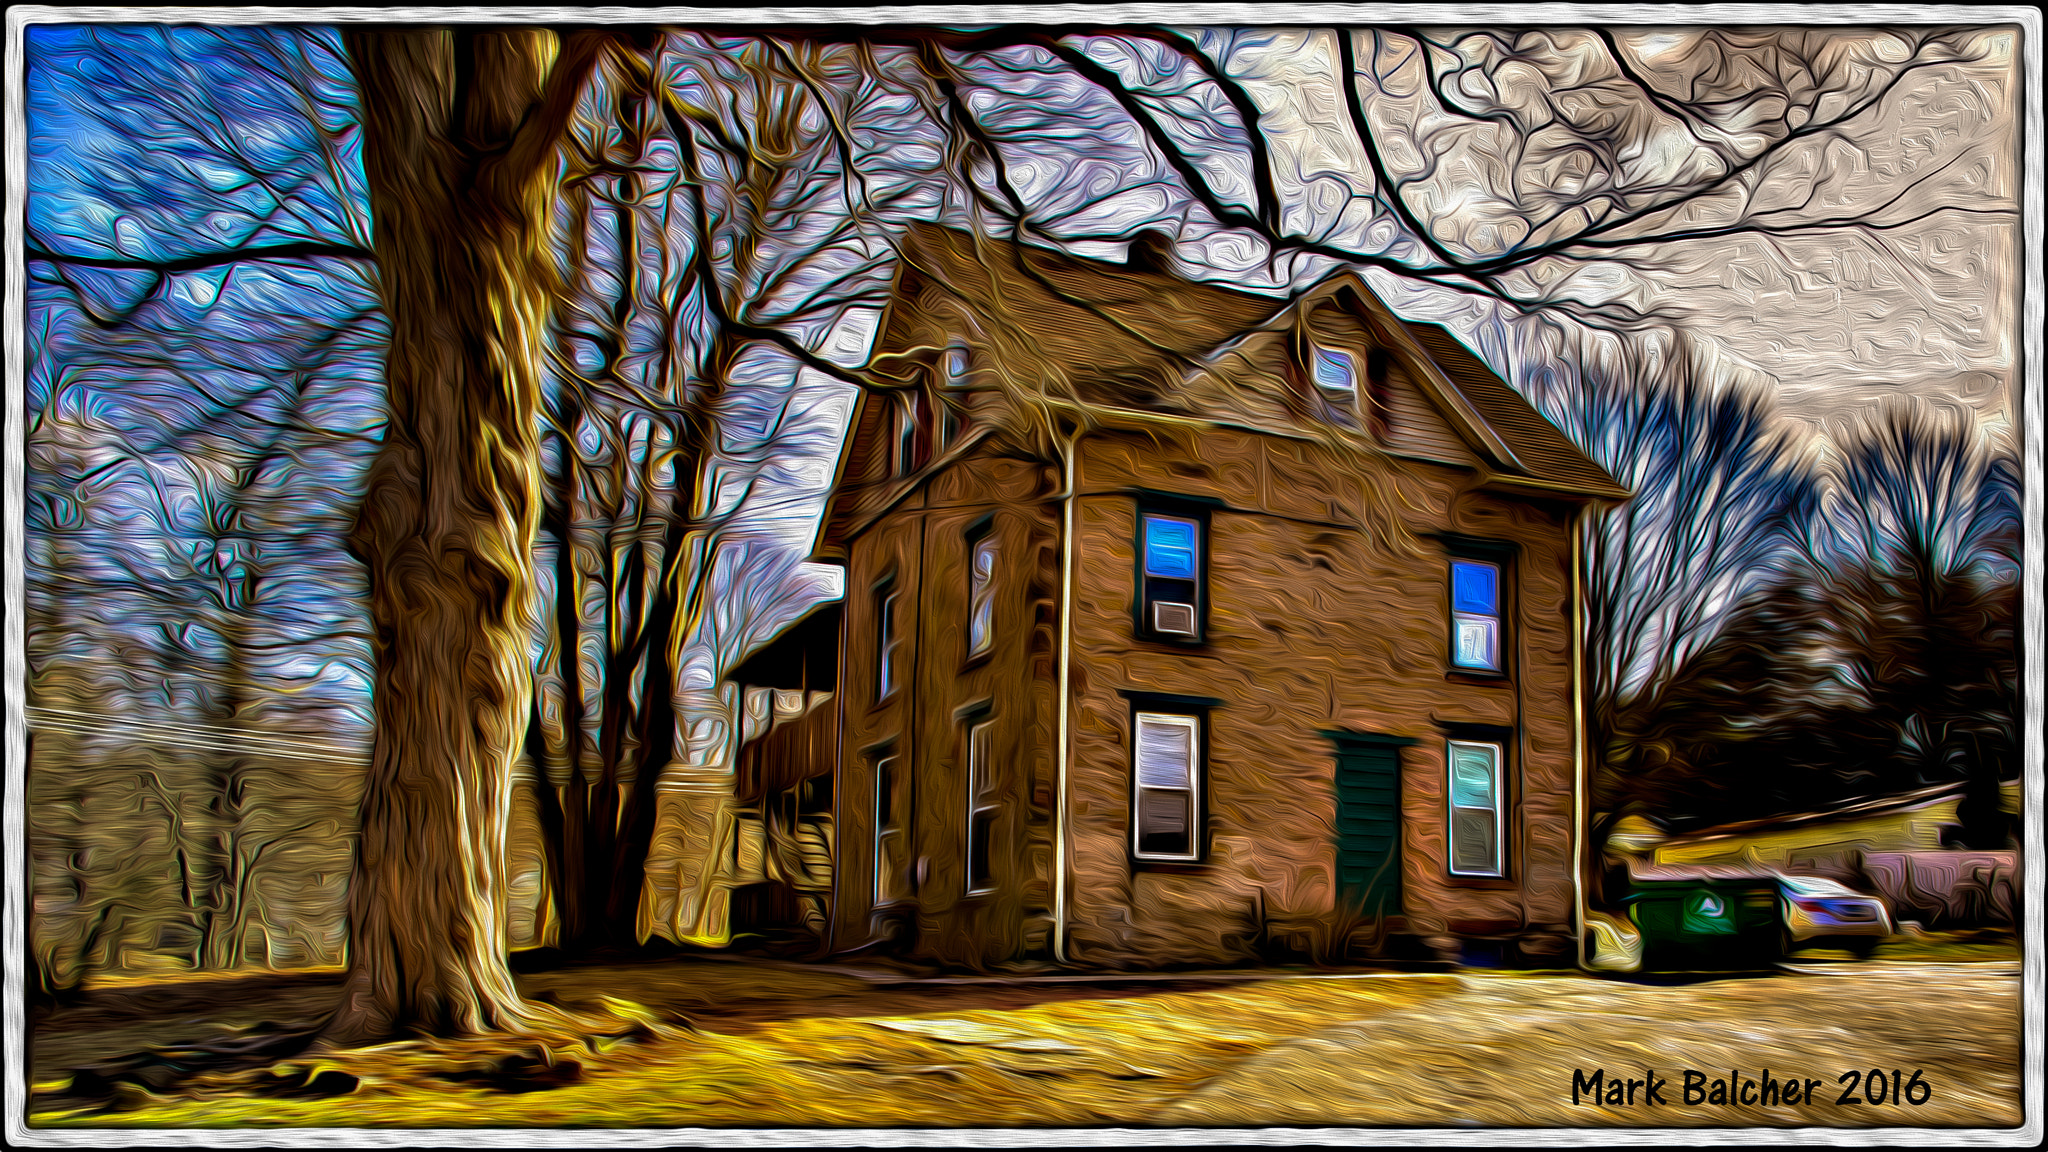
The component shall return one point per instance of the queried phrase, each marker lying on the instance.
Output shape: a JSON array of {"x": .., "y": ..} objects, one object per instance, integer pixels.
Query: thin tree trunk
[
  {"x": 563, "y": 795},
  {"x": 459, "y": 138}
]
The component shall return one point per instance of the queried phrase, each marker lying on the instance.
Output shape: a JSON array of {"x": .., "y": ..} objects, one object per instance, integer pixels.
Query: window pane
[
  {"x": 1166, "y": 752},
  {"x": 907, "y": 415},
  {"x": 885, "y": 636},
  {"x": 1170, "y": 547},
  {"x": 980, "y": 601},
  {"x": 888, "y": 802},
  {"x": 1472, "y": 776},
  {"x": 1475, "y": 588},
  {"x": 892, "y": 863},
  {"x": 980, "y": 831},
  {"x": 1163, "y": 821},
  {"x": 1472, "y": 841},
  {"x": 1478, "y": 643},
  {"x": 978, "y": 632},
  {"x": 981, "y": 742},
  {"x": 1334, "y": 371},
  {"x": 892, "y": 867}
]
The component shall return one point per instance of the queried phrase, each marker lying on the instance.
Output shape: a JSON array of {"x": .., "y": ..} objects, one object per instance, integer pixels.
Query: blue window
[
  {"x": 1170, "y": 572},
  {"x": 1335, "y": 372},
  {"x": 1336, "y": 376},
  {"x": 1170, "y": 545},
  {"x": 1475, "y": 615}
]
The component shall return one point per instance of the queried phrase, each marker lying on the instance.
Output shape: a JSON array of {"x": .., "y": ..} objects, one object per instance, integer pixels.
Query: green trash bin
[{"x": 1708, "y": 923}]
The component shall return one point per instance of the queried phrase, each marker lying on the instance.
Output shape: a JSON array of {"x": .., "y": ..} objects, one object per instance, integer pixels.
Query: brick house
[{"x": 1182, "y": 624}]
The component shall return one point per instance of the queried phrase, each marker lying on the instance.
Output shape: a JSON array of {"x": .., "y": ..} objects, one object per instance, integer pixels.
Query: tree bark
[{"x": 459, "y": 146}]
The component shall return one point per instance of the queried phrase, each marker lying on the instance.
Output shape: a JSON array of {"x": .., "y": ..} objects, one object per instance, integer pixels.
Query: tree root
[{"x": 548, "y": 1047}]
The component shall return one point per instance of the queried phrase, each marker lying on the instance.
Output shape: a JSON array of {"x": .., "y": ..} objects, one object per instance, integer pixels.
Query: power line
[{"x": 193, "y": 737}]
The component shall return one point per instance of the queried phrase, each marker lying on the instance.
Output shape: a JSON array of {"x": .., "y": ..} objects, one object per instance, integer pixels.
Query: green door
[{"x": 1368, "y": 783}]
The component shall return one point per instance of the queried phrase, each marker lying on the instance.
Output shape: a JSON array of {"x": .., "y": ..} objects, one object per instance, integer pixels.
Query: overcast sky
[{"x": 1829, "y": 320}]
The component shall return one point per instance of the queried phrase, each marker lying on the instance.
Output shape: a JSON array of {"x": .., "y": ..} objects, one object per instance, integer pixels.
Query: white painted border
[{"x": 12, "y": 559}]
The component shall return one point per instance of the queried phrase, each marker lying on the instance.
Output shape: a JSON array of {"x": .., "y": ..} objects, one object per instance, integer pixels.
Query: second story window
[
  {"x": 981, "y": 601},
  {"x": 1475, "y": 616},
  {"x": 888, "y": 641},
  {"x": 1170, "y": 567}
]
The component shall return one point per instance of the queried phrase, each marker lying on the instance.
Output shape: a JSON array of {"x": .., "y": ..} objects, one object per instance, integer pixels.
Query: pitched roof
[
  {"x": 1059, "y": 312},
  {"x": 1543, "y": 452},
  {"x": 1136, "y": 336}
]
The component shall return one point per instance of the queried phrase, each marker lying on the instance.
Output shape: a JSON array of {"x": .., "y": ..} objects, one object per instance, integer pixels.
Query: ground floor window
[
  {"x": 892, "y": 818},
  {"x": 1166, "y": 786},
  {"x": 1475, "y": 809},
  {"x": 982, "y": 806}
]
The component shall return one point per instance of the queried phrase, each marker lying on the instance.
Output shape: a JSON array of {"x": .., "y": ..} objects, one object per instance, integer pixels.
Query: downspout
[
  {"x": 1059, "y": 827},
  {"x": 1579, "y": 797},
  {"x": 841, "y": 817}
]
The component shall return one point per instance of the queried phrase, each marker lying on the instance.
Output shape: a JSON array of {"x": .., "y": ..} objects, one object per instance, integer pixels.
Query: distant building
[
  {"x": 1184, "y": 624},
  {"x": 1899, "y": 847}
]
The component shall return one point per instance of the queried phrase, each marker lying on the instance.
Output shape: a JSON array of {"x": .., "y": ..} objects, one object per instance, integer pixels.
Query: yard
[{"x": 741, "y": 1045}]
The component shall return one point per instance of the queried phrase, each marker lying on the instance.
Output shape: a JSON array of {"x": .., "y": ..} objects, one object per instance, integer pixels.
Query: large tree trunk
[{"x": 459, "y": 146}]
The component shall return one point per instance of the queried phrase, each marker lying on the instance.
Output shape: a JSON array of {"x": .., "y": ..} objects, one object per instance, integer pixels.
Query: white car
[{"x": 1823, "y": 912}]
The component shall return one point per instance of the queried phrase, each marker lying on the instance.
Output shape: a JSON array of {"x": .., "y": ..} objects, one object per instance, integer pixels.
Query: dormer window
[
  {"x": 1335, "y": 372},
  {"x": 909, "y": 433}
]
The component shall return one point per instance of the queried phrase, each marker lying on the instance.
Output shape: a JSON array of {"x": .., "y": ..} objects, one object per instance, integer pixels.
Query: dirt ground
[{"x": 759, "y": 1046}]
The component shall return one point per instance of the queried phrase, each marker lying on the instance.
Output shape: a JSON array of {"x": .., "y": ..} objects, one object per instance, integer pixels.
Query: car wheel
[
  {"x": 1859, "y": 946},
  {"x": 1786, "y": 944}
]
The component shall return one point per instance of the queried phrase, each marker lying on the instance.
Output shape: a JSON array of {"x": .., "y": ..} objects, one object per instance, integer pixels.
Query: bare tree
[{"x": 461, "y": 130}]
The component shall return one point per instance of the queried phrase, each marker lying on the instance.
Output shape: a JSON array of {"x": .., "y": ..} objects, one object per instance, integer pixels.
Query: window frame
[
  {"x": 888, "y": 640},
  {"x": 890, "y": 785},
  {"x": 1498, "y": 748},
  {"x": 984, "y": 797},
  {"x": 1192, "y": 510},
  {"x": 981, "y": 624},
  {"x": 1341, "y": 402},
  {"x": 1500, "y": 555},
  {"x": 1461, "y": 618},
  {"x": 909, "y": 450},
  {"x": 1195, "y": 722}
]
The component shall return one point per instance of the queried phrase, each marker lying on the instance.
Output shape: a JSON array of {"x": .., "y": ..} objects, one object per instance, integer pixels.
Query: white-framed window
[
  {"x": 892, "y": 842},
  {"x": 983, "y": 805},
  {"x": 1166, "y": 786},
  {"x": 981, "y": 600},
  {"x": 888, "y": 642},
  {"x": 1475, "y": 808},
  {"x": 1475, "y": 615}
]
